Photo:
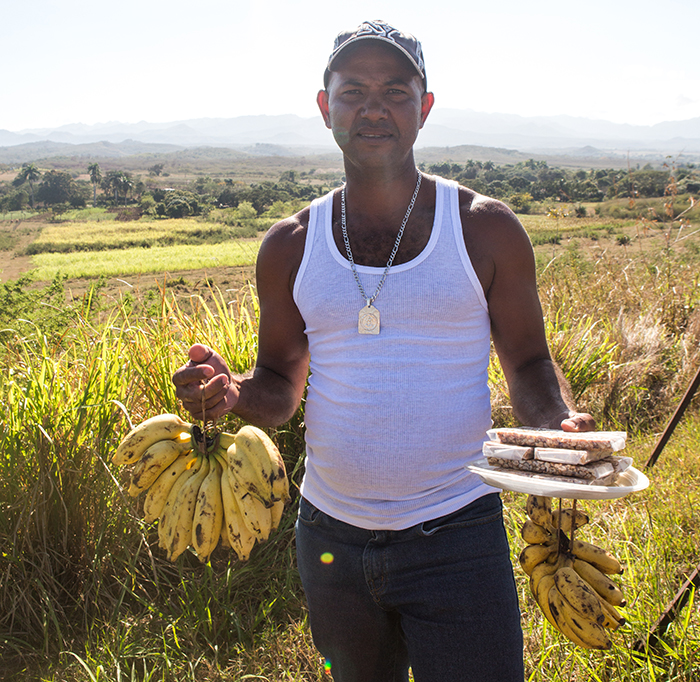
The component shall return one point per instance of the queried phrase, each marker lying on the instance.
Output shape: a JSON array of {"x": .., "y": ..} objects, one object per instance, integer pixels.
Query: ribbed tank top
[{"x": 392, "y": 419}]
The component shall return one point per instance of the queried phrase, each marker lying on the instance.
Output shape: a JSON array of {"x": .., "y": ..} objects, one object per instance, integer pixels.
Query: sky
[{"x": 86, "y": 61}]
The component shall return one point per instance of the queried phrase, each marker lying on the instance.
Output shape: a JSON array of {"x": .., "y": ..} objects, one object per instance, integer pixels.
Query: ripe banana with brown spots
[
  {"x": 208, "y": 513},
  {"x": 148, "y": 432},
  {"x": 156, "y": 459},
  {"x": 539, "y": 509}
]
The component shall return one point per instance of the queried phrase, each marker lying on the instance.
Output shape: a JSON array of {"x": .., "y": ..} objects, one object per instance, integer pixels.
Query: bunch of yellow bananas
[
  {"x": 203, "y": 489},
  {"x": 568, "y": 577}
]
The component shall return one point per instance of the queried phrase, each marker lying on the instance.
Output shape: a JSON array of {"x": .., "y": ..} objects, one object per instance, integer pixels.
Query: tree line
[{"x": 518, "y": 184}]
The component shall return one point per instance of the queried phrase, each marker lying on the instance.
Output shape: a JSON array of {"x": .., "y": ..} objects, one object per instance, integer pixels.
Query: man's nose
[{"x": 374, "y": 107}]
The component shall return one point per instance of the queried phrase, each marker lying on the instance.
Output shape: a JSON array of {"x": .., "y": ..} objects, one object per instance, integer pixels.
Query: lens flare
[
  {"x": 327, "y": 666},
  {"x": 327, "y": 558}
]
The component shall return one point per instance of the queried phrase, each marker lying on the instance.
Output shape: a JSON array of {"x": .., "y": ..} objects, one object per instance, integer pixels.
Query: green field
[{"x": 134, "y": 261}]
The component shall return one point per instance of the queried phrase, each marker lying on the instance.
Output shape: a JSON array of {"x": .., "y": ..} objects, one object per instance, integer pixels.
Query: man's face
[{"x": 374, "y": 104}]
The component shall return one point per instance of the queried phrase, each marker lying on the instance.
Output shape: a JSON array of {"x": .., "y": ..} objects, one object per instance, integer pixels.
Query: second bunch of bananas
[
  {"x": 569, "y": 578},
  {"x": 205, "y": 489}
]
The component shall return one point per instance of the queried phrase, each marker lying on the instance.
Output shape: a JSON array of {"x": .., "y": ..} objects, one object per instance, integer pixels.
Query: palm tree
[
  {"x": 125, "y": 184},
  {"x": 113, "y": 183},
  {"x": 95, "y": 178},
  {"x": 28, "y": 173}
]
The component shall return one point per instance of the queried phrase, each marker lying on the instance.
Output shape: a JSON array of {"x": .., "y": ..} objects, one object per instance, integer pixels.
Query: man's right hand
[{"x": 205, "y": 384}]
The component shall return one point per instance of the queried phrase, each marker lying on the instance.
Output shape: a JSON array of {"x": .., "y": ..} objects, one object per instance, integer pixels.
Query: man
[{"x": 389, "y": 291}]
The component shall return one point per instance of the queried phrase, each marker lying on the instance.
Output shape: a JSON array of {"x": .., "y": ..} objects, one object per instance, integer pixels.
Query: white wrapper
[
  {"x": 516, "y": 453},
  {"x": 566, "y": 456},
  {"x": 602, "y": 472},
  {"x": 554, "y": 438}
]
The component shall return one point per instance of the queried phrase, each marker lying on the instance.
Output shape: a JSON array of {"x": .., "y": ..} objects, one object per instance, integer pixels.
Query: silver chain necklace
[{"x": 368, "y": 319}]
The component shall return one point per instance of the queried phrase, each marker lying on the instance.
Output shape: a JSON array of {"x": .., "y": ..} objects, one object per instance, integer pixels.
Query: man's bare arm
[
  {"x": 539, "y": 393},
  {"x": 269, "y": 394}
]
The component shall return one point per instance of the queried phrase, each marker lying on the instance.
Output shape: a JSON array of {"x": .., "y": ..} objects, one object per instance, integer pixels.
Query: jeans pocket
[
  {"x": 484, "y": 510},
  {"x": 308, "y": 514}
]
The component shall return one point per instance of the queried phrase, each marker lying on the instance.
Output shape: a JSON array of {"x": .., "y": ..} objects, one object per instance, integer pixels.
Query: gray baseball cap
[{"x": 379, "y": 30}]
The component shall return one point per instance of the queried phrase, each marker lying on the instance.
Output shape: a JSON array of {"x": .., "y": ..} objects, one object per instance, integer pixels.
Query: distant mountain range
[{"x": 294, "y": 135}]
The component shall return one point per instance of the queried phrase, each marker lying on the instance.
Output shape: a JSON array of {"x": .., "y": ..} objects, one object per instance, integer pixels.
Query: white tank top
[{"x": 392, "y": 419}]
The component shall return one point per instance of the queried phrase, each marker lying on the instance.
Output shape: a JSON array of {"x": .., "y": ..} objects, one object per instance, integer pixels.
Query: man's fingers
[
  {"x": 200, "y": 353},
  {"x": 192, "y": 374},
  {"x": 579, "y": 422},
  {"x": 209, "y": 398}
]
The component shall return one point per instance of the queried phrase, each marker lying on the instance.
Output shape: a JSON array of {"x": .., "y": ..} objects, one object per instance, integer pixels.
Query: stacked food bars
[{"x": 587, "y": 458}]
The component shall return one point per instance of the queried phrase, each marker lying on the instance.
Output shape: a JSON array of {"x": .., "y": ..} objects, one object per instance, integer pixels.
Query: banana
[
  {"x": 567, "y": 517},
  {"x": 159, "y": 490},
  {"x": 156, "y": 459},
  {"x": 540, "y": 571},
  {"x": 535, "y": 534},
  {"x": 225, "y": 542},
  {"x": 267, "y": 460},
  {"x": 276, "y": 512},
  {"x": 613, "y": 618},
  {"x": 249, "y": 474},
  {"x": 208, "y": 514},
  {"x": 141, "y": 437},
  {"x": 167, "y": 516},
  {"x": 539, "y": 509},
  {"x": 603, "y": 560},
  {"x": 225, "y": 440},
  {"x": 180, "y": 536},
  {"x": 578, "y": 594},
  {"x": 541, "y": 594},
  {"x": 256, "y": 516},
  {"x": 581, "y": 631},
  {"x": 532, "y": 555},
  {"x": 600, "y": 582},
  {"x": 278, "y": 479},
  {"x": 239, "y": 537}
]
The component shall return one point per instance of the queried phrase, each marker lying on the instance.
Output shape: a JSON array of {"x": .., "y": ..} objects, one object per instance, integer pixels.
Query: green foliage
[
  {"x": 26, "y": 309},
  {"x": 263, "y": 195},
  {"x": 542, "y": 182},
  {"x": 59, "y": 187},
  {"x": 177, "y": 203},
  {"x": 16, "y": 200}
]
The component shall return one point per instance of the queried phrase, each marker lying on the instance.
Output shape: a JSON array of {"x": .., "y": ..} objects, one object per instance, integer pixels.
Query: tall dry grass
[{"x": 85, "y": 594}]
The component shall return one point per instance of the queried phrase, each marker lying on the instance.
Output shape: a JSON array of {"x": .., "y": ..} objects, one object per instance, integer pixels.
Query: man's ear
[
  {"x": 322, "y": 101},
  {"x": 426, "y": 104}
]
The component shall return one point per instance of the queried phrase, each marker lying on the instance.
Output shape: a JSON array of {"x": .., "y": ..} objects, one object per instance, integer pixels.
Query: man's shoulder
[
  {"x": 473, "y": 203},
  {"x": 491, "y": 229},
  {"x": 284, "y": 241},
  {"x": 289, "y": 226}
]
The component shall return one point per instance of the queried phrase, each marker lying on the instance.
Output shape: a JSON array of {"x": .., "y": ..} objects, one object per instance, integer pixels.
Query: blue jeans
[{"x": 439, "y": 597}]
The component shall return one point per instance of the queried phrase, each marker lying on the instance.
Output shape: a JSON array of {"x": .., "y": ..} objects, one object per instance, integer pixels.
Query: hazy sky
[{"x": 87, "y": 61}]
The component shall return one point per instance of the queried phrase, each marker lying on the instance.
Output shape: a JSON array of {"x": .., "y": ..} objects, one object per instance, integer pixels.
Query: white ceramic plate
[{"x": 629, "y": 481}]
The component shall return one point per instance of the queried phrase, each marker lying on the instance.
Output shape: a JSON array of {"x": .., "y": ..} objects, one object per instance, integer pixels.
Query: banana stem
[
  {"x": 573, "y": 522},
  {"x": 209, "y": 431}
]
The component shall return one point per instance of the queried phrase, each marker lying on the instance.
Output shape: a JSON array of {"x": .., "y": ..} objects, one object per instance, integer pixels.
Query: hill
[{"x": 290, "y": 135}]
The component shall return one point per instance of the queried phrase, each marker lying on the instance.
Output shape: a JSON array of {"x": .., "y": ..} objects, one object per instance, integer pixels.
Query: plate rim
[{"x": 568, "y": 491}]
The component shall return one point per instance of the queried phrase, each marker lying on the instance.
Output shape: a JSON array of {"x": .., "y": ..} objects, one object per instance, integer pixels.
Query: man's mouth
[{"x": 373, "y": 135}]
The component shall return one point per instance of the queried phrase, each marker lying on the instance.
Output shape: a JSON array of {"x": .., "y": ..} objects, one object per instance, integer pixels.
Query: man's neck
[{"x": 380, "y": 190}]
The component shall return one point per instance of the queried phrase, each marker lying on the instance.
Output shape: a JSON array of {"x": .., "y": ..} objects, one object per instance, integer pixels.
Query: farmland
[{"x": 99, "y": 310}]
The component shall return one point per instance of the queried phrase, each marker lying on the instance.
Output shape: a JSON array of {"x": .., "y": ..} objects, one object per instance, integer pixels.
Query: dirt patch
[{"x": 21, "y": 233}]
